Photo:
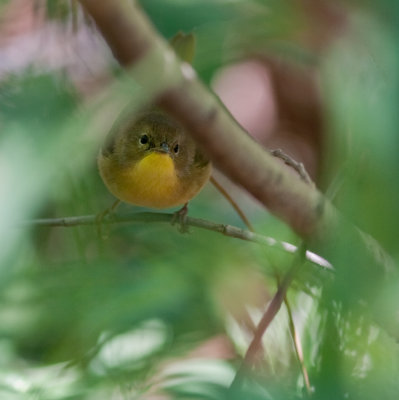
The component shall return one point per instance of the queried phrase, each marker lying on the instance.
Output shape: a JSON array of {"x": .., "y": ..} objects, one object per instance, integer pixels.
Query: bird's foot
[
  {"x": 180, "y": 216},
  {"x": 105, "y": 215}
]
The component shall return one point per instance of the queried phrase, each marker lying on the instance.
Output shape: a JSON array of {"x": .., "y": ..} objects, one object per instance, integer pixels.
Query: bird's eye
[
  {"x": 176, "y": 148},
  {"x": 143, "y": 139}
]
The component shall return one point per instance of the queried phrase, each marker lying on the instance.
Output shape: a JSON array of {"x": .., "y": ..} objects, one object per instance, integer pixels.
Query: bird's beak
[{"x": 163, "y": 148}]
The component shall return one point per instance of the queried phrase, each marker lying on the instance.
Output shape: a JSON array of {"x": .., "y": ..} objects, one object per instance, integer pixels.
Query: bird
[{"x": 149, "y": 160}]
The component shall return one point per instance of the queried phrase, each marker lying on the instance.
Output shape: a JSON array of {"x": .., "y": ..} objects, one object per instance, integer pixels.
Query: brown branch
[
  {"x": 173, "y": 85},
  {"x": 133, "y": 40},
  {"x": 267, "y": 318},
  {"x": 150, "y": 217},
  {"x": 299, "y": 167},
  {"x": 232, "y": 202}
]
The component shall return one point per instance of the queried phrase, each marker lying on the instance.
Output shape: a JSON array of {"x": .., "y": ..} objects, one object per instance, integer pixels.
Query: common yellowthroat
[{"x": 149, "y": 160}]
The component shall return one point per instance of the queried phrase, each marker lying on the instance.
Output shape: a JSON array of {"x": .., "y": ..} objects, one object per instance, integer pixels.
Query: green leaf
[{"x": 184, "y": 46}]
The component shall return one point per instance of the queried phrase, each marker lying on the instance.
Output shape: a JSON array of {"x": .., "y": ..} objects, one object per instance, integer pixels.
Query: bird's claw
[
  {"x": 180, "y": 216},
  {"x": 107, "y": 214}
]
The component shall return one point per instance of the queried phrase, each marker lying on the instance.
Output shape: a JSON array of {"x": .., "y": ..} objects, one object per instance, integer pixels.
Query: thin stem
[
  {"x": 268, "y": 316},
  {"x": 297, "y": 166},
  {"x": 233, "y": 203},
  {"x": 297, "y": 346},
  {"x": 152, "y": 217}
]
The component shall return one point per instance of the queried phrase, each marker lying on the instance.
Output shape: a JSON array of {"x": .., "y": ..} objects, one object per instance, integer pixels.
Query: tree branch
[
  {"x": 133, "y": 40},
  {"x": 271, "y": 311},
  {"x": 150, "y": 217},
  {"x": 173, "y": 85}
]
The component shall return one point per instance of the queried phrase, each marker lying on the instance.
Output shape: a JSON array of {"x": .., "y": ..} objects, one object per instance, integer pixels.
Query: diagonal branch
[
  {"x": 271, "y": 311},
  {"x": 175, "y": 87},
  {"x": 133, "y": 40}
]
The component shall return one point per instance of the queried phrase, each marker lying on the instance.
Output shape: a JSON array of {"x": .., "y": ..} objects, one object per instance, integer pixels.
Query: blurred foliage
[
  {"x": 59, "y": 10},
  {"x": 228, "y": 30},
  {"x": 132, "y": 315}
]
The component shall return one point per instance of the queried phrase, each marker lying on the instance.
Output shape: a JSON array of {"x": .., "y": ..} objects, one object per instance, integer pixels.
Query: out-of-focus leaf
[
  {"x": 184, "y": 46},
  {"x": 361, "y": 80}
]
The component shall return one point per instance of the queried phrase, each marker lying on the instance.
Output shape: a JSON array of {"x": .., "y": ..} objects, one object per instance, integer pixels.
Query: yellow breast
[{"x": 151, "y": 182}]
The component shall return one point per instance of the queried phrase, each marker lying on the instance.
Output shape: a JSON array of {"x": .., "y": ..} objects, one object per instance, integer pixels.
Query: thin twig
[
  {"x": 268, "y": 316},
  {"x": 297, "y": 166},
  {"x": 233, "y": 203},
  {"x": 152, "y": 217},
  {"x": 295, "y": 338},
  {"x": 297, "y": 346}
]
